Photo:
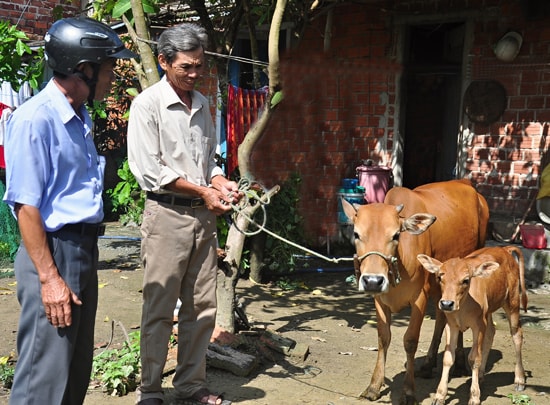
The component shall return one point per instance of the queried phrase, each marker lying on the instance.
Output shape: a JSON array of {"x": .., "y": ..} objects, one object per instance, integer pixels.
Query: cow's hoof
[
  {"x": 371, "y": 394},
  {"x": 520, "y": 387}
]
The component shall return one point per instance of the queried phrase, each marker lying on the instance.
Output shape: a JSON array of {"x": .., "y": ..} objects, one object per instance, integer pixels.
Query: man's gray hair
[{"x": 181, "y": 38}]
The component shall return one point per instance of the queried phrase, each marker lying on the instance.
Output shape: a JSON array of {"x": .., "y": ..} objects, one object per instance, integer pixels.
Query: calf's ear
[
  {"x": 429, "y": 263},
  {"x": 485, "y": 269}
]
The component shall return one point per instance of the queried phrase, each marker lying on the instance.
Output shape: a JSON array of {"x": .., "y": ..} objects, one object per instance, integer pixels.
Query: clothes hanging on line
[{"x": 243, "y": 109}]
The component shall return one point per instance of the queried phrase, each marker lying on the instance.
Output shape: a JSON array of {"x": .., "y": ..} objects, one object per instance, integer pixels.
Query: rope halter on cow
[{"x": 391, "y": 261}]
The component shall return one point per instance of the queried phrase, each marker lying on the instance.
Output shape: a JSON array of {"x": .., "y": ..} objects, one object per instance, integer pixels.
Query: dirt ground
[{"x": 326, "y": 314}]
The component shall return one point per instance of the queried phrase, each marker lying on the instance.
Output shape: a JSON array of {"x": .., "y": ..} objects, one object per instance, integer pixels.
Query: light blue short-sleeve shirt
[{"x": 52, "y": 162}]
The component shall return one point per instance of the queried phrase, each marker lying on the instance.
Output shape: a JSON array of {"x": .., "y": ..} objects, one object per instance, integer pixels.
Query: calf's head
[
  {"x": 455, "y": 277},
  {"x": 377, "y": 230}
]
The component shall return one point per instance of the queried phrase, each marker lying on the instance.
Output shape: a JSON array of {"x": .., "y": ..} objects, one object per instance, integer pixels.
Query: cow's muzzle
[
  {"x": 376, "y": 283},
  {"x": 447, "y": 305}
]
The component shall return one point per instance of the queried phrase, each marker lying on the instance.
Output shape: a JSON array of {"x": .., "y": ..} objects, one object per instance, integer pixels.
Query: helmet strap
[{"x": 91, "y": 83}]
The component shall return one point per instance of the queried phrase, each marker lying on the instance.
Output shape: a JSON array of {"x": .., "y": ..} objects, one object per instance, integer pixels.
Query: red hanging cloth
[
  {"x": 243, "y": 107},
  {"x": 2, "y": 160}
]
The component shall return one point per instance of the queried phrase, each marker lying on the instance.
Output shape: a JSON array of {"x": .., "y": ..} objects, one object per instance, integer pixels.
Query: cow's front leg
[
  {"x": 451, "y": 338},
  {"x": 426, "y": 369},
  {"x": 410, "y": 343},
  {"x": 383, "y": 321},
  {"x": 460, "y": 369}
]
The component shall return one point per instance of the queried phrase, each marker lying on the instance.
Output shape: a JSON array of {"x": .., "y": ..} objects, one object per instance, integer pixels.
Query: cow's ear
[
  {"x": 429, "y": 263},
  {"x": 349, "y": 209},
  {"x": 417, "y": 223},
  {"x": 485, "y": 269}
]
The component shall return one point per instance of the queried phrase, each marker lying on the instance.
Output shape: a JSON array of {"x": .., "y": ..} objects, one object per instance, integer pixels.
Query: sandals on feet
[{"x": 204, "y": 397}]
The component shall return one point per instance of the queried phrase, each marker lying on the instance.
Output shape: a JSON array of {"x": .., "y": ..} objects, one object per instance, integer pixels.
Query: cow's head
[
  {"x": 455, "y": 276},
  {"x": 377, "y": 229}
]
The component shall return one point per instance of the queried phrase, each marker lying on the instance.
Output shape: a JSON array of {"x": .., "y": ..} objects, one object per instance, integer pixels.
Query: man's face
[
  {"x": 105, "y": 79},
  {"x": 185, "y": 69}
]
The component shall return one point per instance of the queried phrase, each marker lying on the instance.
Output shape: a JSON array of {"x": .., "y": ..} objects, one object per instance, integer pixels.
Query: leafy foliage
[
  {"x": 127, "y": 196},
  {"x": 9, "y": 231},
  {"x": 118, "y": 369},
  {"x": 521, "y": 399},
  {"x": 7, "y": 370},
  {"x": 18, "y": 63},
  {"x": 284, "y": 220}
]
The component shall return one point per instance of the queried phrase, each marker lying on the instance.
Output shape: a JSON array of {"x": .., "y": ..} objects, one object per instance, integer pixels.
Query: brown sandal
[{"x": 203, "y": 396}]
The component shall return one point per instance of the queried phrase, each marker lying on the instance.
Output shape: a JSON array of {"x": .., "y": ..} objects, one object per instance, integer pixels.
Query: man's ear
[
  {"x": 162, "y": 61},
  {"x": 85, "y": 68}
]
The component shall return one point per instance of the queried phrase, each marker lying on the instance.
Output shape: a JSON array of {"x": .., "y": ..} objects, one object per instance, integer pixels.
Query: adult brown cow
[
  {"x": 472, "y": 289},
  {"x": 389, "y": 236}
]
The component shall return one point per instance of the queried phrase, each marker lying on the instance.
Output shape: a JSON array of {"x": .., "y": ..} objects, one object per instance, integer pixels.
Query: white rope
[{"x": 249, "y": 193}]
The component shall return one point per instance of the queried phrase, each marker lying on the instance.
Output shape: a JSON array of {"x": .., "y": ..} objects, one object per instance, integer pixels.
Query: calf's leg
[
  {"x": 475, "y": 358},
  {"x": 517, "y": 337},
  {"x": 486, "y": 346},
  {"x": 451, "y": 337}
]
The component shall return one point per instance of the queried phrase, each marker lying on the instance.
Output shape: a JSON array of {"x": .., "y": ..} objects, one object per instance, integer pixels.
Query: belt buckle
[{"x": 197, "y": 202}]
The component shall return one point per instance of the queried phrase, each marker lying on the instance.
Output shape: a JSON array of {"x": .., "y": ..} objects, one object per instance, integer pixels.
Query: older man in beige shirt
[{"x": 171, "y": 150}]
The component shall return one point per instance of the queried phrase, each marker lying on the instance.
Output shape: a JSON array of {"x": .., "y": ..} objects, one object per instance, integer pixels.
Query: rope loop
[{"x": 250, "y": 192}]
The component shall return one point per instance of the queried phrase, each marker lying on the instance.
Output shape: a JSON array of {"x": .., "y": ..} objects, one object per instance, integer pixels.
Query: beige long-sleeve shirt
[{"x": 167, "y": 141}]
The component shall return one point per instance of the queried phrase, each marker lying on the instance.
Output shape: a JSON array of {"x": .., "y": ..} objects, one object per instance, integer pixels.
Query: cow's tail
[{"x": 514, "y": 250}]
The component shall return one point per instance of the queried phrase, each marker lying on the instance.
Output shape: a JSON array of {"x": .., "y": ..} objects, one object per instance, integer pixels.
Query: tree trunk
[
  {"x": 235, "y": 238},
  {"x": 228, "y": 274},
  {"x": 147, "y": 70},
  {"x": 257, "y": 246}
]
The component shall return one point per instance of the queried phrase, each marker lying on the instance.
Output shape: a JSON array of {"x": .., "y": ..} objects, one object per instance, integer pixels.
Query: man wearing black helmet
[{"x": 54, "y": 186}]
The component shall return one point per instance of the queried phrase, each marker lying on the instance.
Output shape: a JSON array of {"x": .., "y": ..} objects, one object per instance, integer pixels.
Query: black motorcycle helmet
[{"x": 72, "y": 41}]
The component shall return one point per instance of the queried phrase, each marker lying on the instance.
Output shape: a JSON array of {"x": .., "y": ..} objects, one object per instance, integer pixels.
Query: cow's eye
[
  {"x": 356, "y": 236},
  {"x": 396, "y": 236},
  {"x": 466, "y": 282}
]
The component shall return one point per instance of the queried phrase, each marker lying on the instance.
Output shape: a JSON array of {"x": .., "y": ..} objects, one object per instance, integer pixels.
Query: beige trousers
[{"x": 178, "y": 252}]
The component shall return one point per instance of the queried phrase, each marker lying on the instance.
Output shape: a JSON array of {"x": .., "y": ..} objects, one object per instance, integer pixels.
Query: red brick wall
[
  {"x": 340, "y": 107},
  {"x": 35, "y": 17}
]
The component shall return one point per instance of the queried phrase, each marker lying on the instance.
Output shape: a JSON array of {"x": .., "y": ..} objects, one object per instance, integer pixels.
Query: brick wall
[
  {"x": 35, "y": 17},
  {"x": 340, "y": 107}
]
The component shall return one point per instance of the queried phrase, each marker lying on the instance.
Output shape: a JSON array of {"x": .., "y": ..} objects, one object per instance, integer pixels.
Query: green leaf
[
  {"x": 277, "y": 98},
  {"x": 132, "y": 91},
  {"x": 121, "y": 7}
]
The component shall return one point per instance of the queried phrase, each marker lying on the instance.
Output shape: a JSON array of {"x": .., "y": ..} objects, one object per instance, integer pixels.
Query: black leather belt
[
  {"x": 85, "y": 229},
  {"x": 173, "y": 200}
]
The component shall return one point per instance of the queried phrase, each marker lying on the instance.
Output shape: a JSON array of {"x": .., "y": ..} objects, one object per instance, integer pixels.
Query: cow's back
[{"x": 462, "y": 215}]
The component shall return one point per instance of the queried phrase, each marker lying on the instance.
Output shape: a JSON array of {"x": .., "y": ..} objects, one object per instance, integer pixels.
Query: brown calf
[{"x": 472, "y": 289}]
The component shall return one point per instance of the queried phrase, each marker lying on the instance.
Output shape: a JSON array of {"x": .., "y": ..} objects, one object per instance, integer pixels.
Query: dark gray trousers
[{"x": 54, "y": 364}]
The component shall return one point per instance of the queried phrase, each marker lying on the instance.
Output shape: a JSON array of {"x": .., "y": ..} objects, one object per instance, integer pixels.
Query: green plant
[
  {"x": 118, "y": 369},
  {"x": 7, "y": 370},
  {"x": 284, "y": 220},
  {"x": 127, "y": 196},
  {"x": 522, "y": 399},
  {"x": 18, "y": 63}
]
